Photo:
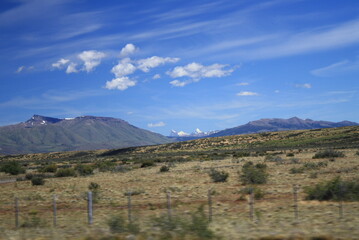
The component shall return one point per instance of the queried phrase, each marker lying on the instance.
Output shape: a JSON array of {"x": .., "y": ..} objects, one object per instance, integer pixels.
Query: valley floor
[{"x": 188, "y": 184}]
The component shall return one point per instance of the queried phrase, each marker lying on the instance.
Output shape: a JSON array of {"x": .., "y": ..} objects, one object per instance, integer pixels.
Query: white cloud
[
  {"x": 247, "y": 94},
  {"x": 20, "y": 69},
  {"x": 146, "y": 64},
  {"x": 336, "y": 68},
  {"x": 177, "y": 83},
  {"x": 60, "y": 63},
  {"x": 71, "y": 68},
  {"x": 91, "y": 59},
  {"x": 197, "y": 71},
  {"x": 128, "y": 50},
  {"x": 120, "y": 83},
  {"x": 243, "y": 84},
  {"x": 123, "y": 68},
  {"x": 159, "y": 124},
  {"x": 156, "y": 76},
  {"x": 277, "y": 91},
  {"x": 305, "y": 85},
  {"x": 310, "y": 41}
]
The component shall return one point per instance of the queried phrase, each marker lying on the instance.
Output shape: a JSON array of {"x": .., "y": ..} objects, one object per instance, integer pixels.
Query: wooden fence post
[
  {"x": 129, "y": 206},
  {"x": 341, "y": 192},
  {"x": 89, "y": 208},
  {"x": 295, "y": 198},
  {"x": 54, "y": 210},
  {"x": 251, "y": 204},
  {"x": 17, "y": 212},
  {"x": 169, "y": 208},
  {"x": 210, "y": 205}
]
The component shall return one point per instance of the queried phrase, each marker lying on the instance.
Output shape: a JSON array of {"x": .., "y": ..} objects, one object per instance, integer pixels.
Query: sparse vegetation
[
  {"x": 218, "y": 176},
  {"x": 164, "y": 168},
  {"x": 12, "y": 167},
  {"x": 180, "y": 227},
  {"x": 105, "y": 166},
  {"x": 296, "y": 170},
  {"x": 336, "y": 189},
  {"x": 95, "y": 189},
  {"x": 84, "y": 170},
  {"x": 65, "y": 172},
  {"x": 50, "y": 168},
  {"x": 258, "y": 193},
  {"x": 253, "y": 174},
  {"x": 147, "y": 163},
  {"x": 118, "y": 224},
  {"x": 37, "y": 180},
  {"x": 188, "y": 183},
  {"x": 329, "y": 153},
  {"x": 32, "y": 220}
]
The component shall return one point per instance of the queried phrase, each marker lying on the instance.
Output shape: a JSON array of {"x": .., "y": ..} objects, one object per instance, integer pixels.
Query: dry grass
[{"x": 189, "y": 183}]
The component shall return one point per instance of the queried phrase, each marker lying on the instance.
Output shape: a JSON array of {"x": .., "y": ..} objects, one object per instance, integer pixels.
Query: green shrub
[
  {"x": 261, "y": 165},
  {"x": 329, "y": 153},
  {"x": 296, "y": 170},
  {"x": 32, "y": 220},
  {"x": 290, "y": 154},
  {"x": 105, "y": 166},
  {"x": 218, "y": 176},
  {"x": 357, "y": 153},
  {"x": 12, "y": 167},
  {"x": 95, "y": 189},
  {"x": 335, "y": 189},
  {"x": 29, "y": 176},
  {"x": 241, "y": 154},
  {"x": 118, "y": 224},
  {"x": 37, "y": 180},
  {"x": 314, "y": 166},
  {"x": 65, "y": 172},
  {"x": 197, "y": 227},
  {"x": 164, "y": 168},
  {"x": 147, "y": 163},
  {"x": 84, "y": 170},
  {"x": 252, "y": 174},
  {"x": 51, "y": 168},
  {"x": 258, "y": 193}
]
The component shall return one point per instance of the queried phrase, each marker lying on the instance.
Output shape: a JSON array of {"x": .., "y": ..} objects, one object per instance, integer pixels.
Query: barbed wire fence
[{"x": 84, "y": 210}]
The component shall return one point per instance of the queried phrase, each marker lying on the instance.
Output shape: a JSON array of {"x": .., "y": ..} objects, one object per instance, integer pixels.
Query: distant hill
[
  {"x": 278, "y": 124},
  {"x": 46, "y": 134}
]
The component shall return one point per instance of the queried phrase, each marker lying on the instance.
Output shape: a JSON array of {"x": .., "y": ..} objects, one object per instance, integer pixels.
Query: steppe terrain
[{"x": 137, "y": 170}]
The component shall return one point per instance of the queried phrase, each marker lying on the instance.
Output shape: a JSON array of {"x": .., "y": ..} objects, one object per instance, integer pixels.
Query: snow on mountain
[{"x": 196, "y": 133}]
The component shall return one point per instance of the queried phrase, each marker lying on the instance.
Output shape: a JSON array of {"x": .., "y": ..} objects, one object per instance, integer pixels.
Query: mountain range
[
  {"x": 46, "y": 134},
  {"x": 278, "y": 124}
]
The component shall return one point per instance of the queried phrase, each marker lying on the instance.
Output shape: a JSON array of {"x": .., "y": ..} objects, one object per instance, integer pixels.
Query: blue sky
[{"x": 181, "y": 65}]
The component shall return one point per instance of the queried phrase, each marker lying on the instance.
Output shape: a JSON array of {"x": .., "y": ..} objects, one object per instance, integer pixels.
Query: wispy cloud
[
  {"x": 247, "y": 94},
  {"x": 310, "y": 41},
  {"x": 20, "y": 69},
  {"x": 337, "y": 68},
  {"x": 304, "y": 85},
  {"x": 50, "y": 97},
  {"x": 159, "y": 124}
]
